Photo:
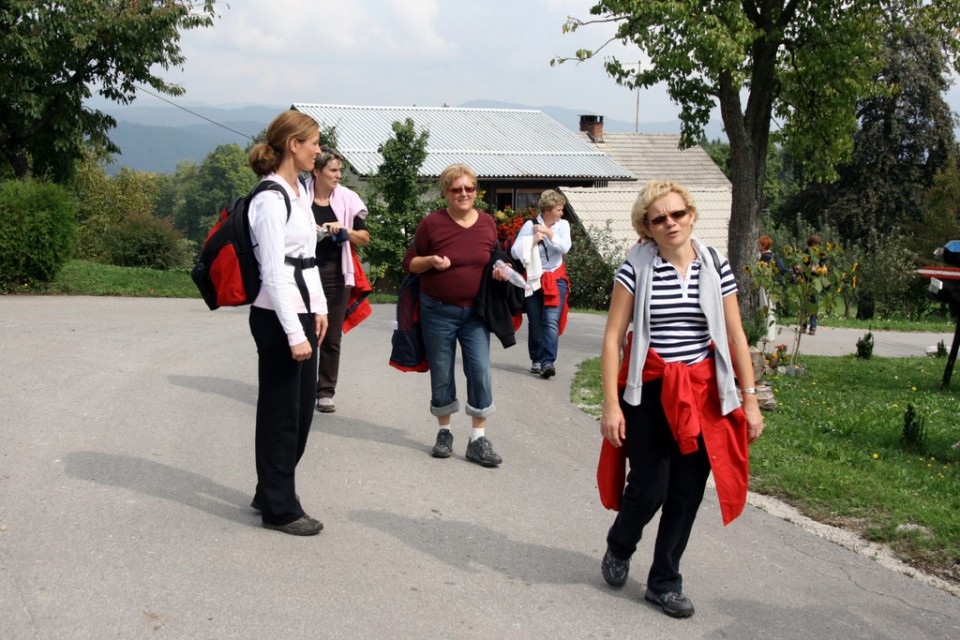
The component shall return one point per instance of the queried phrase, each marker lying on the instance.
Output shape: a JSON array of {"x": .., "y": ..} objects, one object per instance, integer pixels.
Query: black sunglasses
[{"x": 676, "y": 215}]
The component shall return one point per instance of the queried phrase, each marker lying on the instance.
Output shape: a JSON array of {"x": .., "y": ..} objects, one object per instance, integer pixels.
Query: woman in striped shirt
[{"x": 671, "y": 402}]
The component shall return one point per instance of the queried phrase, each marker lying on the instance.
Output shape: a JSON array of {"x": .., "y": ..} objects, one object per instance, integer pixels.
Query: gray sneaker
[
  {"x": 481, "y": 451},
  {"x": 444, "y": 446},
  {"x": 673, "y": 603},
  {"x": 303, "y": 526},
  {"x": 535, "y": 368},
  {"x": 615, "y": 570},
  {"x": 325, "y": 405}
]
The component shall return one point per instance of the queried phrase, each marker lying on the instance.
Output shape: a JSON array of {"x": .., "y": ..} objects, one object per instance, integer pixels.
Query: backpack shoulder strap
[
  {"x": 271, "y": 185},
  {"x": 716, "y": 259}
]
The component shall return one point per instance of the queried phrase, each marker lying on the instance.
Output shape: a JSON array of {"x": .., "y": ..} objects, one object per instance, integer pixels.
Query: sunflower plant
[{"x": 808, "y": 282}]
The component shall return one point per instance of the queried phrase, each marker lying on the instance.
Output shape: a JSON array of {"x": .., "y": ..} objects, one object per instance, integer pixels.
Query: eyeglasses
[
  {"x": 460, "y": 190},
  {"x": 676, "y": 215}
]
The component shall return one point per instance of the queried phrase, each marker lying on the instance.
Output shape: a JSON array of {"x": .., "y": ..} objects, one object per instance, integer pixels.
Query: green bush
[
  {"x": 913, "y": 438},
  {"x": 591, "y": 265},
  {"x": 865, "y": 346},
  {"x": 142, "y": 240},
  {"x": 38, "y": 232}
]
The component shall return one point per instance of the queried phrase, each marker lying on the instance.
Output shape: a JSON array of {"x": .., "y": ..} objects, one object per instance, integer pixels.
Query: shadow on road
[{"x": 161, "y": 481}]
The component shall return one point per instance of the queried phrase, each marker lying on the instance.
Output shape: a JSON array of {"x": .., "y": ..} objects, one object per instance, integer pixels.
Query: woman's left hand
[{"x": 754, "y": 421}]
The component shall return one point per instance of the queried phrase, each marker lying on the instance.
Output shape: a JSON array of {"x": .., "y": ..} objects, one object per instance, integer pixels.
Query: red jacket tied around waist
[{"x": 691, "y": 404}]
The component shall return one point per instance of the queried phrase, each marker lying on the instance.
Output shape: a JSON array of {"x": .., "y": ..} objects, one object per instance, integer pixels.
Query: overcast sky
[
  {"x": 409, "y": 52},
  {"x": 401, "y": 53}
]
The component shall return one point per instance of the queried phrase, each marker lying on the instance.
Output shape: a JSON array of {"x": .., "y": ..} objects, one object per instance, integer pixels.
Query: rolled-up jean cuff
[
  {"x": 449, "y": 409},
  {"x": 481, "y": 413}
]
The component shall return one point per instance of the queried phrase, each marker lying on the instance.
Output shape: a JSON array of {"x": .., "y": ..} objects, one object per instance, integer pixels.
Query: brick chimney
[{"x": 593, "y": 126}]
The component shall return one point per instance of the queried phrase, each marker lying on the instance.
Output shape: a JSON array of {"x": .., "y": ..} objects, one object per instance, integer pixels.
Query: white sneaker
[{"x": 325, "y": 405}]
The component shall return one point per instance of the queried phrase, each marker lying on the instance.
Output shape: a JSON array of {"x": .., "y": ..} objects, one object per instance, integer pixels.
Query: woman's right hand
[
  {"x": 301, "y": 352},
  {"x": 613, "y": 426}
]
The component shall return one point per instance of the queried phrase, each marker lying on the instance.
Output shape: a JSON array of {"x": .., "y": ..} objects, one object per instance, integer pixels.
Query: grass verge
[
  {"x": 88, "y": 278},
  {"x": 936, "y": 324},
  {"x": 835, "y": 450}
]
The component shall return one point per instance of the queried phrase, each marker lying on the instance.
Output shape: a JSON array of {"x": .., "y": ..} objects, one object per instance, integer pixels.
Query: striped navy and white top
[{"x": 678, "y": 326}]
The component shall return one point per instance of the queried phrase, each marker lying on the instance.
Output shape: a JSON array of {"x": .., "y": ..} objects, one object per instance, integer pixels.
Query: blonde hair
[
  {"x": 454, "y": 172},
  {"x": 651, "y": 192},
  {"x": 550, "y": 199},
  {"x": 265, "y": 157}
]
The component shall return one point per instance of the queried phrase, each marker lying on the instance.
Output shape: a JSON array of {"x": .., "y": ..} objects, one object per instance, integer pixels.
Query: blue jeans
[
  {"x": 443, "y": 325},
  {"x": 544, "y": 322}
]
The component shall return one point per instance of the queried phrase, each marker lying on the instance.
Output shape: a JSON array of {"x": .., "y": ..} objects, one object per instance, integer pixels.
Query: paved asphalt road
[{"x": 126, "y": 469}]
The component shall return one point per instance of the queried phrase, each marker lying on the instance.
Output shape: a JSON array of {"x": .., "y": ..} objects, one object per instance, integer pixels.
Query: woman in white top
[
  {"x": 288, "y": 319},
  {"x": 549, "y": 237}
]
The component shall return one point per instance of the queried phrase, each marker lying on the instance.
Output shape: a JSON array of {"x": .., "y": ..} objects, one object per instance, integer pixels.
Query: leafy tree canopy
[
  {"x": 54, "y": 54},
  {"x": 804, "y": 62},
  {"x": 395, "y": 200},
  {"x": 905, "y": 138}
]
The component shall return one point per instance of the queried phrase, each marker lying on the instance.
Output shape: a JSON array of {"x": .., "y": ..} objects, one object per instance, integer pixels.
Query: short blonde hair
[
  {"x": 454, "y": 172},
  {"x": 651, "y": 192},
  {"x": 550, "y": 199}
]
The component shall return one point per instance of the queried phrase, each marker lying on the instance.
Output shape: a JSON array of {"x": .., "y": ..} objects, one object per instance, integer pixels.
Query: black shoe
[
  {"x": 302, "y": 526},
  {"x": 481, "y": 451},
  {"x": 615, "y": 570},
  {"x": 444, "y": 446},
  {"x": 547, "y": 371},
  {"x": 673, "y": 603}
]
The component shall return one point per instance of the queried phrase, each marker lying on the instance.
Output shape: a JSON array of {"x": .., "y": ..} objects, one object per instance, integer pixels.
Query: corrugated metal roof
[
  {"x": 658, "y": 155},
  {"x": 497, "y": 143},
  {"x": 593, "y": 207}
]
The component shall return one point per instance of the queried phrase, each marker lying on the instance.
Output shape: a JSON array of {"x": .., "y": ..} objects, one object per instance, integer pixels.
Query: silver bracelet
[{"x": 750, "y": 390}]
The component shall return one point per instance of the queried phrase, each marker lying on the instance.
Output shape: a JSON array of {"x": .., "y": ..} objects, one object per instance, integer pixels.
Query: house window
[{"x": 518, "y": 198}]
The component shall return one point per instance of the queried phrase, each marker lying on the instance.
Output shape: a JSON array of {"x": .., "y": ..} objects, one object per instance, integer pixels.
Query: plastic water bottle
[{"x": 515, "y": 278}]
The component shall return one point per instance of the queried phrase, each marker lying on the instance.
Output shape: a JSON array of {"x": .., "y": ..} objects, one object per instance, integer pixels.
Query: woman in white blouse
[
  {"x": 544, "y": 242},
  {"x": 288, "y": 319}
]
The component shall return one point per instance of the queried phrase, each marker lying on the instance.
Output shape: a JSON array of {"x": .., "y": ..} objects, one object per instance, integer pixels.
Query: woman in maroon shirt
[{"x": 452, "y": 248}]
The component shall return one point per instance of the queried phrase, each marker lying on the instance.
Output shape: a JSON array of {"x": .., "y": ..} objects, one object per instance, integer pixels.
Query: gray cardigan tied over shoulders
[{"x": 641, "y": 258}]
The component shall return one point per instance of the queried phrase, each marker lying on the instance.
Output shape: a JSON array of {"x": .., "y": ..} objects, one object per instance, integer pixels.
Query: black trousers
[
  {"x": 337, "y": 295},
  {"x": 284, "y": 413},
  {"x": 660, "y": 477}
]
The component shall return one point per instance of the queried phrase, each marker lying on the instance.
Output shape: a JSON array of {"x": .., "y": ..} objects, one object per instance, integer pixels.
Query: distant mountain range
[{"x": 156, "y": 139}]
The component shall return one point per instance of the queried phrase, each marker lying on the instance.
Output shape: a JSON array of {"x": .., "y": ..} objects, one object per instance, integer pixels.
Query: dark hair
[
  {"x": 326, "y": 155},
  {"x": 813, "y": 240},
  {"x": 265, "y": 157}
]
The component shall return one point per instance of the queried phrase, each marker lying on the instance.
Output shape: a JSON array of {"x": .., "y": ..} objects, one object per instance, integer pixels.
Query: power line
[{"x": 182, "y": 108}]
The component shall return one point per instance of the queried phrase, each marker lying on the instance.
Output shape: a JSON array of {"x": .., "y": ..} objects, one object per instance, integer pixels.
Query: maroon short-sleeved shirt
[{"x": 468, "y": 249}]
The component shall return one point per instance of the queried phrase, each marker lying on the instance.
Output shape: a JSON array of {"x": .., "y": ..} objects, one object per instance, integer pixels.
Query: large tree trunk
[
  {"x": 19, "y": 162},
  {"x": 744, "y": 230}
]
